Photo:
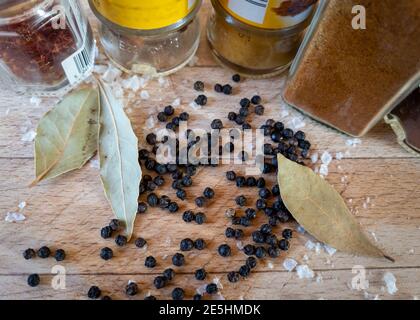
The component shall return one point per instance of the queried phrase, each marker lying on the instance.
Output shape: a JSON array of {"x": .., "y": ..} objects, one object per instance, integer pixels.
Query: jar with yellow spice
[
  {"x": 152, "y": 38},
  {"x": 258, "y": 38}
]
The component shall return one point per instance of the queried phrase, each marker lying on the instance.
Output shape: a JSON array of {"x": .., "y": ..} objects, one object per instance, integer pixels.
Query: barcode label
[
  {"x": 252, "y": 10},
  {"x": 79, "y": 63}
]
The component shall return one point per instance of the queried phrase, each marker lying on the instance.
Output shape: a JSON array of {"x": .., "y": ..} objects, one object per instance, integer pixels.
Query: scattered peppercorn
[
  {"x": 197, "y": 297},
  {"x": 162, "y": 117},
  {"x": 187, "y": 181},
  {"x": 200, "y": 274},
  {"x": 259, "y": 110},
  {"x": 266, "y": 229},
  {"x": 152, "y": 200},
  {"x": 159, "y": 282},
  {"x": 208, "y": 193},
  {"x": 200, "y": 218},
  {"x": 159, "y": 180},
  {"x": 233, "y": 277},
  {"x": 186, "y": 245},
  {"x": 44, "y": 252},
  {"x": 200, "y": 202},
  {"x": 258, "y": 237},
  {"x": 244, "y": 112},
  {"x": 184, "y": 116},
  {"x": 251, "y": 262},
  {"x": 199, "y": 244},
  {"x": 169, "y": 274},
  {"x": 239, "y": 234},
  {"x": 142, "y": 207},
  {"x": 140, "y": 242},
  {"x": 273, "y": 252},
  {"x": 151, "y": 139},
  {"x": 249, "y": 250},
  {"x": 143, "y": 154},
  {"x": 271, "y": 239},
  {"x": 244, "y": 271},
  {"x": 150, "y": 262},
  {"x": 201, "y": 100},
  {"x": 169, "y": 111},
  {"x": 251, "y": 213},
  {"x": 173, "y": 207},
  {"x": 251, "y": 182},
  {"x": 261, "y": 204},
  {"x": 28, "y": 254},
  {"x": 284, "y": 245},
  {"x": 114, "y": 224},
  {"x": 287, "y": 234},
  {"x": 261, "y": 183},
  {"x": 231, "y": 175},
  {"x": 224, "y": 250},
  {"x": 199, "y": 86},
  {"x": 232, "y": 116},
  {"x": 240, "y": 182},
  {"x": 121, "y": 240},
  {"x": 60, "y": 255},
  {"x": 240, "y": 201},
  {"x": 131, "y": 289},
  {"x": 230, "y": 233},
  {"x": 106, "y": 253},
  {"x": 178, "y": 294},
  {"x": 236, "y": 78},
  {"x": 181, "y": 194},
  {"x": 188, "y": 216},
  {"x": 227, "y": 89},
  {"x": 260, "y": 252},
  {"x": 240, "y": 120},
  {"x": 94, "y": 292},
  {"x": 218, "y": 88},
  {"x": 33, "y": 280},
  {"x": 178, "y": 259},
  {"x": 217, "y": 124},
  {"x": 164, "y": 202}
]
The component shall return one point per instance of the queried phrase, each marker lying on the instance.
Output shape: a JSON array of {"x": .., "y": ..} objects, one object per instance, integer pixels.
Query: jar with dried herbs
[
  {"x": 45, "y": 45},
  {"x": 258, "y": 38},
  {"x": 152, "y": 38}
]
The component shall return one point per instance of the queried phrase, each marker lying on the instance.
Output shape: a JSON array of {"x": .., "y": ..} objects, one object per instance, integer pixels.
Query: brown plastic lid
[{"x": 405, "y": 121}]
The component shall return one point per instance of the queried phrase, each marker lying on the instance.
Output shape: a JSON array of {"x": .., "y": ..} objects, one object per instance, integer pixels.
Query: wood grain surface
[{"x": 377, "y": 178}]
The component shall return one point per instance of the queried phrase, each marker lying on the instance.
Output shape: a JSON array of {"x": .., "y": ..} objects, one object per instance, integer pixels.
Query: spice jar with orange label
[
  {"x": 45, "y": 45},
  {"x": 152, "y": 38},
  {"x": 258, "y": 38}
]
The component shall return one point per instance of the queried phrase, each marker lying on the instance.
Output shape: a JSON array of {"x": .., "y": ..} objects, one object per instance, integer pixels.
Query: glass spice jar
[
  {"x": 45, "y": 45},
  {"x": 258, "y": 38},
  {"x": 153, "y": 38}
]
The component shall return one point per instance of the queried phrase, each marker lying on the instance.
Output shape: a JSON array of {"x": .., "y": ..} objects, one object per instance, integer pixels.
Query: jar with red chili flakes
[{"x": 45, "y": 45}]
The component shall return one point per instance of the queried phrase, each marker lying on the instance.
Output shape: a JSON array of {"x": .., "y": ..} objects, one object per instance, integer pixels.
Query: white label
[
  {"x": 78, "y": 64},
  {"x": 252, "y": 10}
]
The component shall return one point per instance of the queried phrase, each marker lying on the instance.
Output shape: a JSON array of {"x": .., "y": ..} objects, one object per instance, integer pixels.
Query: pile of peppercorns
[{"x": 265, "y": 242}]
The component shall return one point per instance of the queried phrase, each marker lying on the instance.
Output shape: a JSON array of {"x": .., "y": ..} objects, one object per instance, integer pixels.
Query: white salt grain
[
  {"x": 22, "y": 205},
  {"x": 35, "y": 101},
  {"x": 310, "y": 245},
  {"x": 150, "y": 122},
  {"x": 284, "y": 114},
  {"x": 100, "y": 69},
  {"x": 314, "y": 157},
  {"x": 300, "y": 229},
  {"x": 239, "y": 245},
  {"x": 111, "y": 74},
  {"x": 195, "y": 106},
  {"x": 202, "y": 289},
  {"x": 94, "y": 163},
  {"x": 304, "y": 272},
  {"x": 297, "y": 123},
  {"x": 330, "y": 250},
  {"x": 319, "y": 278},
  {"x": 390, "y": 282},
  {"x": 289, "y": 264},
  {"x": 219, "y": 296},
  {"x": 217, "y": 282},
  {"x": 305, "y": 257},
  {"x": 144, "y": 94},
  {"x": 353, "y": 142},
  {"x": 163, "y": 82},
  {"x": 29, "y": 136},
  {"x": 318, "y": 248},
  {"x": 176, "y": 102},
  {"x": 374, "y": 236},
  {"x": 326, "y": 158},
  {"x": 339, "y": 155},
  {"x": 132, "y": 83},
  {"x": 14, "y": 217},
  {"x": 323, "y": 170},
  {"x": 270, "y": 265},
  {"x": 411, "y": 251}
]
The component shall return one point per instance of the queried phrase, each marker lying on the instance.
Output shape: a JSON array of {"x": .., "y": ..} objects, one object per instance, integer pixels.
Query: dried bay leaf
[
  {"x": 320, "y": 209},
  {"x": 118, "y": 153},
  {"x": 67, "y": 136}
]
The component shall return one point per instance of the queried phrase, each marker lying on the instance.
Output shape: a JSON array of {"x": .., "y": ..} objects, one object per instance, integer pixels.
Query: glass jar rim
[
  {"x": 282, "y": 31},
  {"x": 35, "y": 5},
  {"x": 152, "y": 32}
]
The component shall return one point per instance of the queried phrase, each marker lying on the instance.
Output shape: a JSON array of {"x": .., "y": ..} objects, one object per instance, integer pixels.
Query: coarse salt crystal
[
  {"x": 318, "y": 248},
  {"x": 300, "y": 229},
  {"x": 270, "y": 265},
  {"x": 319, "y": 278},
  {"x": 193, "y": 62},
  {"x": 163, "y": 82},
  {"x": 22, "y": 205},
  {"x": 132, "y": 83},
  {"x": 239, "y": 245},
  {"x": 314, "y": 157},
  {"x": 323, "y": 170},
  {"x": 14, "y": 217},
  {"x": 195, "y": 106},
  {"x": 176, "y": 102},
  {"x": 353, "y": 142},
  {"x": 297, "y": 123},
  {"x": 374, "y": 236},
  {"x": 339, "y": 155},
  {"x": 304, "y": 272},
  {"x": 284, "y": 113},
  {"x": 111, "y": 74},
  {"x": 290, "y": 264},
  {"x": 202, "y": 289},
  {"x": 326, "y": 158},
  {"x": 330, "y": 250},
  {"x": 411, "y": 251},
  {"x": 100, "y": 69},
  {"x": 305, "y": 257},
  {"x": 36, "y": 101},
  {"x": 29, "y": 136},
  {"x": 390, "y": 282},
  {"x": 310, "y": 245},
  {"x": 150, "y": 122},
  {"x": 94, "y": 163},
  {"x": 216, "y": 281},
  {"x": 144, "y": 94}
]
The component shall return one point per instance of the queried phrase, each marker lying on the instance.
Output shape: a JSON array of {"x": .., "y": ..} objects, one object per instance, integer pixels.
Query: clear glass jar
[
  {"x": 149, "y": 39},
  {"x": 253, "y": 43},
  {"x": 45, "y": 45}
]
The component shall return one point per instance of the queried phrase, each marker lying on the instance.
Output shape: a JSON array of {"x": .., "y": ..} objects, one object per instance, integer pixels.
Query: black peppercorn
[
  {"x": 106, "y": 298},
  {"x": 246, "y": 126},
  {"x": 261, "y": 204},
  {"x": 251, "y": 182},
  {"x": 232, "y": 116},
  {"x": 197, "y": 297},
  {"x": 300, "y": 135},
  {"x": 175, "y": 121},
  {"x": 240, "y": 182},
  {"x": 181, "y": 194},
  {"x": 236, "y": 221},
  {"x": 258, "y": 237},
  {"x": 256, "y": 100},
  {"x": 287, "y": 133},
  {"x": 261, "y": 183},
  {"x": 164, "y": 202},
  {"x": 121, "y": 240},
  {"x": 200, "y": 202},
  {"x": 173, "y": 207},
  {"x": 284, "y": 244},
  {"x": 184, "y": 116},
  {"x": 287, "y": 234},
  {"x": 186, "y": 245},
  {"x": 276, "y": 136},
  {"x": 140, "y": 242},
  {"x": 178, "y": 294},
  {"x": 266, "y": 229},
  {"x": 245, "y": 222},
  {"x": 114, "y": 224},
  {"x": 200, "y": 274},
  {"x": 240, "y": 120},
  {"x": 151, "y": 186},
  {"x": 273, "y": 221},
  {"x": 150, "y": 262},
  {"x": 151, "y": 139},
  {"x": 240, "y": 201},
  {"x": 230, "y": 233},
  {"x": 106, "y": 253},
  {"x": 178, "y": 259},
  {"x": 236, "y": 78},
  {"x": 259, "y": 110},
  {"x": 251, "y": 213},
  {"x": 28, "y": 254},
  {"x": 231, "y": 175},
  {"x": 269, "y": 211},
  {"x": 199, "y": 244},
  {"x": 201, "y": 100},
  {"x": 208, "y": 193},
  {"x": 160, "y": 169},
  {"x": 224, "y": 250},
  {"x": 233, "y": 276},
  {"x": 187, "y": 181},
  {"x": 199, "y": 86},
  {"x": 60, "y": 255},
  {"x": 271, "y": 239},
  {"x": 251, "y": 262},
  {"x": 200, "y": 218},
  {"x": 273, "y": 252},
  {"x": 106, "y": 232},
  {"x": 249, "y": 250},
  {"x": 218, "y": 88},
  {"x": 239, "y": 234},
  {"x": 227, "y": 89},
  {"x": 244, "y": 112},
  {"x": 169, "y": 274},
  {"x": 244, "y": 271},
  {"x": 169, "y": 111},
  {"x": 94, "y": 292},
  {"x": 188, "y": 216},
  {"x": 211, "y": 288},
  {"x": 44, "y": 252},
  {"x": 275, "y": 190},
  {"x": 33, "y": 280},
  {"x": 245, "y": 103},
  {"x": 152, "y": 200},
  {"x": 160, "y": 282},
  {"x": 150, "y": 164},
  {"x": 143, "y": 154},
  {"x": 217, "y": 124},
  {"x": 170, "y": 126},
  {"x": 162, "y": 117},
  {"x": 131, "y": 289},
  {"x": 260, "y": 252},
  {"x": 142, "y": 207}
]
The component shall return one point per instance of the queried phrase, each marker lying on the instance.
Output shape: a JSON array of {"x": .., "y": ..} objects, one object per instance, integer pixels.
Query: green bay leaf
[
  {"x": 321, "y": 211},
  {"x": 67, "y": 135},
  {"x": 118, "y": 153}
]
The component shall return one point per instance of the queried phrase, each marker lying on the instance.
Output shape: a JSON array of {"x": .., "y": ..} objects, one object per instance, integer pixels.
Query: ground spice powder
[{"x": 346, "y": 77}]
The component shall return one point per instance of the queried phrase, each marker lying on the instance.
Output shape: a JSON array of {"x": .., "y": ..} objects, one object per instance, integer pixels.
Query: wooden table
[{"x": 378, "y": 179}]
